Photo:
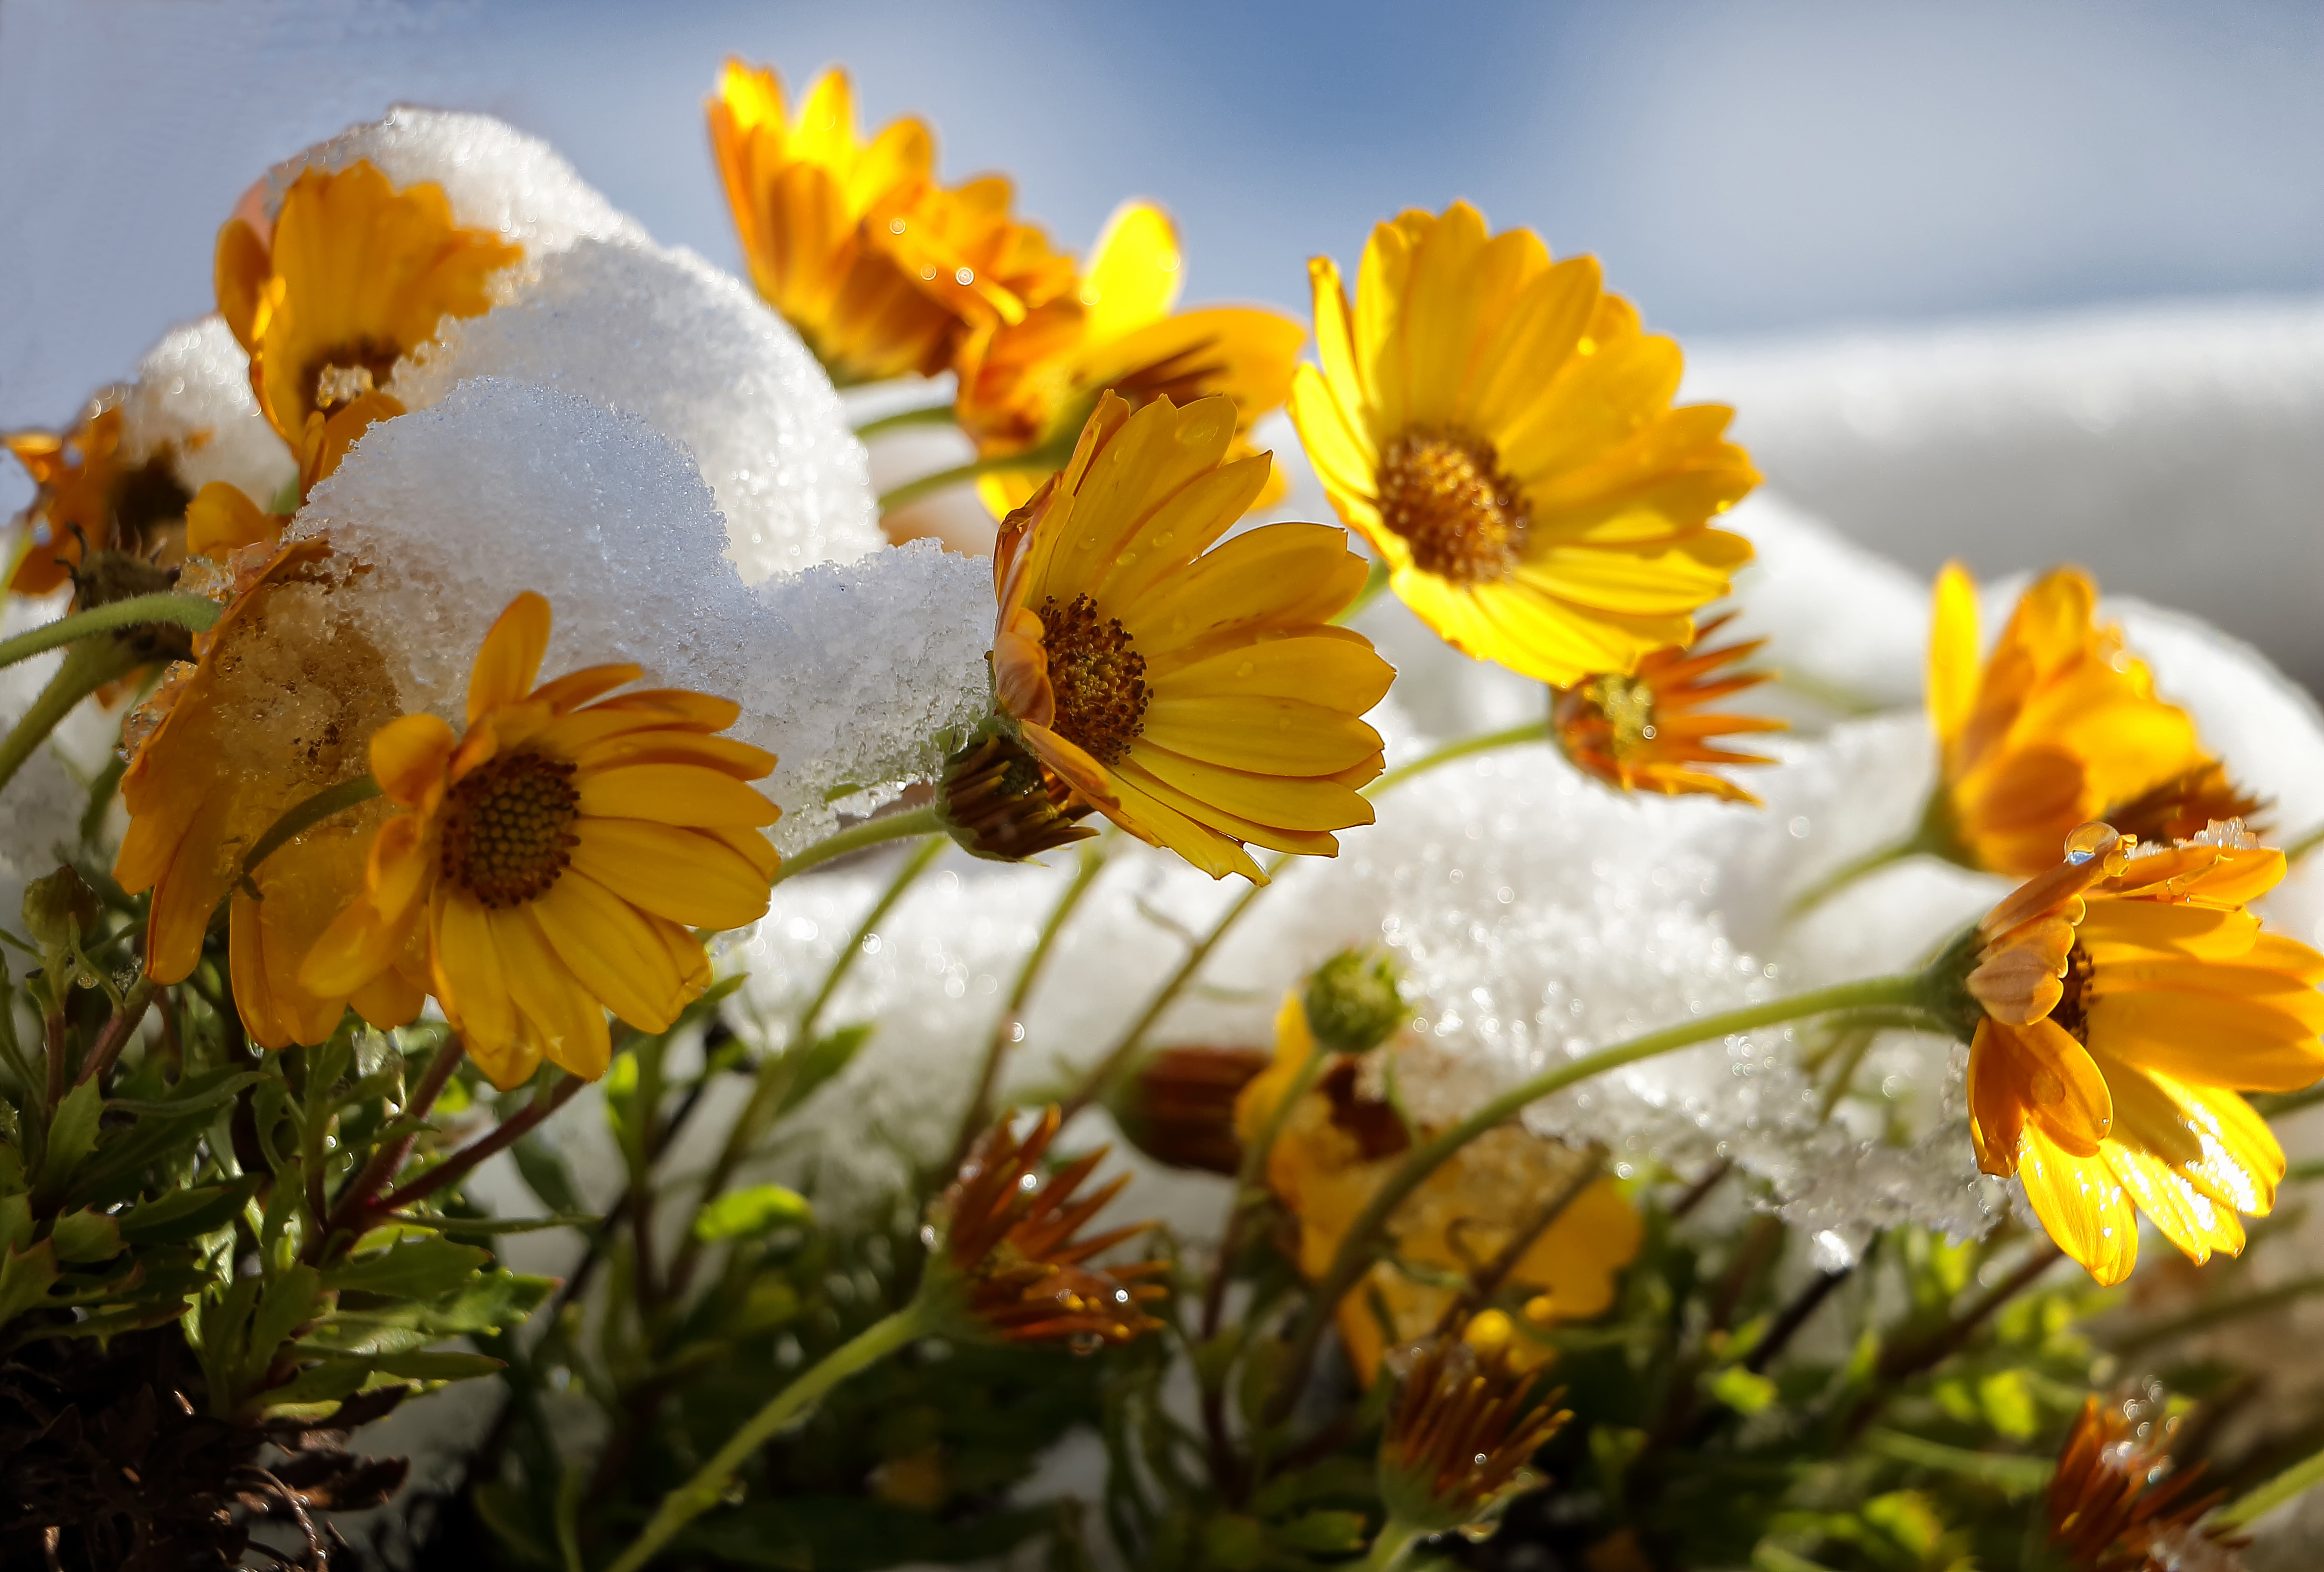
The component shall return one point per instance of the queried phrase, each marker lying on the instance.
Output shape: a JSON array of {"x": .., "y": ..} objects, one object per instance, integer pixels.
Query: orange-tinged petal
[
  {"x": 409, "y": 757},
  {"x": 221, "y": 518},
  {"x": 615, "y": 948},
  {"x": 509, "y": 658}
]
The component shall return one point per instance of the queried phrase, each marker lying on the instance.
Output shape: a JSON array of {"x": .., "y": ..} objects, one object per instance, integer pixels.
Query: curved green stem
[
  {"x": 918, "y": 863},
  {"x": 698, "y": 1494},
  {"x": 2297, "y": 1480},
  {"x": 87, "y": 667},
  {"x": 978, "y": 1112},
  {"x": 1391, "y": 1547},
  {"x": 1039, "y": 459},
  {"x": 192, "y": 611},
  {"x": 2304, "y": 844},
  {"x": 1354, "y": 1255},
  {"x": 901, "y": 420},
  {"x": 1102, "y": 1073},
  {"x": 871, "y": 832},
  {"x": 302, "y": 816},
  {"x": 1533, "y": 731}
]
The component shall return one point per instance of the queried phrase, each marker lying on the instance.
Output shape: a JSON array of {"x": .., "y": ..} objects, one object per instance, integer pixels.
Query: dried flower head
[
  {"x": 1466, "y": 1422},
  {"x": 2118, "y": 1504},
  {"x": 1009, "y": 1238},
  {"x": 91, "y": 496}
]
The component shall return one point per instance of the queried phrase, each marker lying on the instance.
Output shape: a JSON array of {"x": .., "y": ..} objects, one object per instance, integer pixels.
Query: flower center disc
[
  {"x": 345, "y": 372},
  {"x": 1445, "y": 495},
  {"x": 1628, "y": 706},
  {"x": 508, "y": 829},
  {"x": 1098, "y": 677}
]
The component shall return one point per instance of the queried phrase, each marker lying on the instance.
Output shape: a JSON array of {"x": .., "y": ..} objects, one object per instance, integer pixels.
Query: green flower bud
[
  {"x": 59, "y": 910},
  {"x": 1351, "y": 1000}
]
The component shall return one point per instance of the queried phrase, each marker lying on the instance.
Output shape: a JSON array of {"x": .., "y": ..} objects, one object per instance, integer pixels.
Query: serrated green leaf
[
  {"x": 318, "y": 1383},
  {"x": 287, "y": 1302},
  {"x": 197, "y": 1094},
  {"x": 748, "y": 1212},
  {"x": 25, "y": 1278},
  {"x": 72, "y": 1136},
  {"x": 418, "y": 1269},
  {"x": 86, "y": 1236},
  {"x": 187, "y": 1214}
]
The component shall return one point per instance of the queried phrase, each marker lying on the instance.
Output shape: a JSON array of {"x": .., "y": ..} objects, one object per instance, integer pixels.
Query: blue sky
[{"x": 1743, "y": 168}]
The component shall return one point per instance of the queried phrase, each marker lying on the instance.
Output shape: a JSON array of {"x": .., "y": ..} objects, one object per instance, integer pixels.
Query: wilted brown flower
[
  {"x": 1464, "y": 1426},
  {"x": 2187, "y": 804},
  {"x": 2117, "y": 1503},
  {"x": 1009, "y": 1238}
]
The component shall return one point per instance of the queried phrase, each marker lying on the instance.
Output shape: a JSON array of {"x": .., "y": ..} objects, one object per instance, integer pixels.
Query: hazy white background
[{"x": 1759, "y": 176}]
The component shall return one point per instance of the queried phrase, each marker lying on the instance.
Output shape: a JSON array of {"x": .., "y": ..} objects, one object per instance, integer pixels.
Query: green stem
[
  {"x": 302, "y": 816},
  {"x": 698, "y": 1494},
  {"x": 2304, "y": 844},
  {"x": 87, "y": 667},
  {"x": 1101, "y": 1075},
  {"x": 871, "y": 832},
  {"x": 1533, "y": 731},
  {"x": 1041, "y": 460},
  {"x": 777, "y": 1072},
  {"x": 978, "y": 1112},
  {"x": 1391, "y": 1547},
  {"x": 1249, "y": 1176},
  {"x": 187, "y": 611},
  {"x": 1933, "y": 837},
  {"x": 2297, "y": 1480},
  {"x": 2210, "y": 1316},
  {"x": 926, "y": 415},
  {"x": 1354, "y": 1255}
]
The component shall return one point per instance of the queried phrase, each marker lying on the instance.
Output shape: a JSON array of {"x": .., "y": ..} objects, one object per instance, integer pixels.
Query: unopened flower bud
[
  {"x": 1178, "y": 1106},
  {"x": 59, "y": 910},
  {"x": 1000, "y": 804},
  {"x": 1351, "y": 1000}
]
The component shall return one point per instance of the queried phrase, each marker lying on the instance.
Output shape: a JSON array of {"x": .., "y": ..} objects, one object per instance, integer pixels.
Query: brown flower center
[
  {"x": 508, "y": 829},
  {"x": 1098, "y": 675},
  {"x": 2073, "y": 1007},
  {"x": 1444, "y": 492}
]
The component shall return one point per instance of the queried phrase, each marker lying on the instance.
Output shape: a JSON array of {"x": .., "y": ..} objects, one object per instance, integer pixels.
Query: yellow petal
[
  {"x": 1134, "y": 271},
  {"x": 564, "y": 1015},
  {"x": 2081, "y": 1205},
  {"x": 472, "y": 979},
  {"x": 616, "y": 949},
  {"x": 681, "y": 874},
  {"x": 1260, "y": 735},
  {"x": 410, "y": 756},
  {"x": 683, "y": 794},
  {"x": 510, "y": 657}
]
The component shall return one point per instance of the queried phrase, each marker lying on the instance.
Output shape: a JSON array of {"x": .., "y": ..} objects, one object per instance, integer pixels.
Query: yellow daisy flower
[
  {"x": 548, "y": 865},
  {"x": 2059, "y": 726},
  {"x": 88, "y": 494},
  {"x": 352, "y": 276},
  {"x": 273, "y": 711},
  {"x": 2126, "y": 996},
  {"x": 1501, "y": 431},
  {"x": 878, "y": 268},
  {"x": 1338, "y": 1146},
  {"x": 1651, "y": 732},
  {"x": 1027, "y": 385},
  {"x": 1197, "y": 697}
]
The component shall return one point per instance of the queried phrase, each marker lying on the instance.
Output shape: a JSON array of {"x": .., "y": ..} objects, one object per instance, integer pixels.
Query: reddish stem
[
  {"x": 386, "y": 1160},
  {"x": 461, "y": 1162}
]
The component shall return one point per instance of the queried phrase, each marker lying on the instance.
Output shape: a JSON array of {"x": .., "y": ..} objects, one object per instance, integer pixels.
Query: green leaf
[
  {"x": 1324, "y": 1532},
  {"x": 490, "y": 1303},
  {"x": 86, "y": 1236},
  {"x": 15, "y": 1221},
  {"x": 438, "y": 1366},
  {"x": 546, "y": 1175},
  {"x": 324, "y": 1383},
  {"x": 463, "y": 1226},
  {"x": 286, "y": 1303},
  {"x": 72, "y": 1136},
  {"x": 747, "y": 1213},
  {"x": 187, "y": 1214},
  {"x": 824, "y": 1058},
  {"x": 418, "y": 1269},
  {"x": 25, "y": 1276},
  {"x": 197, "y": 1094},
  {"x": 1745, "y": 1390}
]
